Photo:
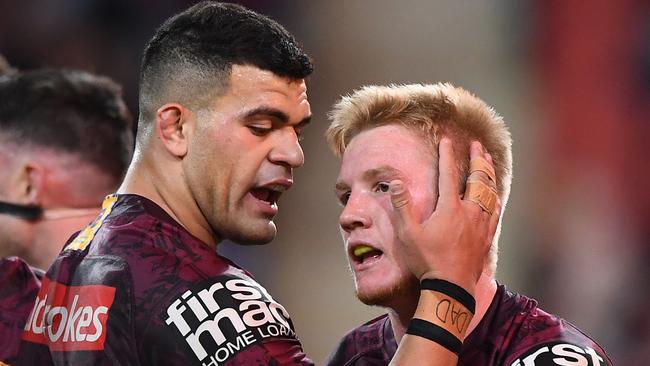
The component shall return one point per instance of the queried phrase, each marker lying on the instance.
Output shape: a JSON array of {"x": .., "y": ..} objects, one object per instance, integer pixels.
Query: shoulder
[
  {"x": 126, "y": 223},
  {"x": 546, "y": 339},
  {"x": 18, "y": 277},
  {"x": 134, "y": 234},
  {"x": 19, "y": 287},
  {"x": 365, "y": 341},
  {"x": 83, "y": 300}
]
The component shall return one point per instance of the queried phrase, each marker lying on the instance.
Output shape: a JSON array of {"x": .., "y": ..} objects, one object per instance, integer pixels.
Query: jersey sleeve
[{"x": 82, "y": 316}]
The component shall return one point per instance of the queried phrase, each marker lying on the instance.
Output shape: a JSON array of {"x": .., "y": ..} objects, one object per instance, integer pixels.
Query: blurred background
[{"x": 571, "y": 78}]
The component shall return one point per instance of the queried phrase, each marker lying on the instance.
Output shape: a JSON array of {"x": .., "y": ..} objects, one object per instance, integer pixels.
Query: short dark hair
[
  {"x": 69, "y": 111},
  {"x": 190, "y": 57}
]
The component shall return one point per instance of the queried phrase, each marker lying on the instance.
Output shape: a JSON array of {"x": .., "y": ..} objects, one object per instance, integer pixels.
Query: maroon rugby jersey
[
  {"x": 135, "y": 288},
  {"x": 19, "y": 285},
  {"x": 513, "y": 332}
]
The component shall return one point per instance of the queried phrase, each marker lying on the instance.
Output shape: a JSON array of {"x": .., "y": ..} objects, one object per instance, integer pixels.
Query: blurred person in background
[
  {"x": 223, "y": 102},
  {"x": 391, "y": 133},
  {"x": 65, "y": 142}
]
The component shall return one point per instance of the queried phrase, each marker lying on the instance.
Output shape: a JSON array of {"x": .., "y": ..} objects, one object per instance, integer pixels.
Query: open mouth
[
  {"x": 364, "y": 253},
  {"x": 269, "y": 194}
]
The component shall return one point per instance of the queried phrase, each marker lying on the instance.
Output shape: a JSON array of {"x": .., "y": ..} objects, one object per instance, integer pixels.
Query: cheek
[
  {"x": 387, "y": 220},
  {"x": 424, "y": 203}
]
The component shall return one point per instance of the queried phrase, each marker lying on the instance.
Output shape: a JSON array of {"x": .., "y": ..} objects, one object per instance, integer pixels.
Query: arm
[{"x": 452, "y": 245}]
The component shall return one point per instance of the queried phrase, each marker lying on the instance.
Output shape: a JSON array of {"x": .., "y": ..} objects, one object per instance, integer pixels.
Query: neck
[
  {"x": 50, "y": 234},
  {"x": 486, "y": 288},
  {"x": 161, "y": 186}
]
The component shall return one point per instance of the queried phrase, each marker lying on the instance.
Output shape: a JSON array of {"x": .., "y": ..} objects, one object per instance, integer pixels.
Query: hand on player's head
[{"x": 452, "y": 243}]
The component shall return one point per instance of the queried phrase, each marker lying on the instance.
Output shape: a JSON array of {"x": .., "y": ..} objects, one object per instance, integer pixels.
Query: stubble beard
[
  {"x": 248, "y": 232},
  {"x": 385, "y": 296}
]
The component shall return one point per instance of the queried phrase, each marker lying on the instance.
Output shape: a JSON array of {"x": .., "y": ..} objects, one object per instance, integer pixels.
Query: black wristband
[
  {"x": 452, "y": 290},
  {"x": 435, "y": 333}
]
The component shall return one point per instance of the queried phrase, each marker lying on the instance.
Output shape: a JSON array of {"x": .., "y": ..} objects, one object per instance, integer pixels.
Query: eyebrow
[
  {"x": 340, "y": 186},
  {"x": 382, "y": 171},
  {"x": 372, "y": 174},
  {"x": 275, "y": 114}
]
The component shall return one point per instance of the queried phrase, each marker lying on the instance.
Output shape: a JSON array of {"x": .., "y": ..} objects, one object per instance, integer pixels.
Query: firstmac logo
[
  {"x": 70, "y": 318},
  {"x": 226, "y": 315}
]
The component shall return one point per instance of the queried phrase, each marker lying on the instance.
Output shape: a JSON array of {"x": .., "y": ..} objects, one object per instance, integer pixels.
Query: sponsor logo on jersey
[
  {"x": 225, "y": 316},
  {"x": 562, "y": 354},
  {"x": 70, "y": 318}
]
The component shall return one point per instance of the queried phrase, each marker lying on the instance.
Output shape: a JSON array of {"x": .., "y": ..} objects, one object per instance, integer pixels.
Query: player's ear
[
  {"x": 173, "y": 126},
  {"x": 27, "y": 183}
]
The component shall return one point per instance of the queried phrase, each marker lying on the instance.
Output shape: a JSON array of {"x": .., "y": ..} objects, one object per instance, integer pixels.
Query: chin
[
  {"x": 254, "y": 234},
  {"x": 388, "y": 293}
]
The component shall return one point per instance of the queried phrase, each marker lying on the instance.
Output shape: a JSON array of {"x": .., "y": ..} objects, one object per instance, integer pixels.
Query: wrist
[
  {"x": 462, "y": 279},
  {"x": 443, "y": 314}
]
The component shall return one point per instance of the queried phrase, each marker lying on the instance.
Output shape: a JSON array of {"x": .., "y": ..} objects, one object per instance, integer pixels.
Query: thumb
[{"x": 401, "y": 200}]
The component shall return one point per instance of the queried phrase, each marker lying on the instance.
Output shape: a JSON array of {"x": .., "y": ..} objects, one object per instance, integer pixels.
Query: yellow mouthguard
[{"x": 361, "y": 250}]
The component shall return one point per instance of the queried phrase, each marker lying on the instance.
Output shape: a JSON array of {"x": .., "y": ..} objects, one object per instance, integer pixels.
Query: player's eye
[
  {"x": 259, "y": 131},
  {"x": 344, "y": 198},
  {"x": 382, "y": 187}
]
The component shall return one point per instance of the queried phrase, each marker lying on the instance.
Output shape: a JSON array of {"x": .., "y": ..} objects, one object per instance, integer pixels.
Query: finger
[
  {"x": 480, "y": 166},
  {"x": 480, "y": 187},
  {"x": 493, "y": 182},
  {"x": 476, "y": 150},
  {"x": 401, "y": 200},
  {"x": 447, "y": 172},
  {"x": 494, "y": 220},
  {"x": 477, "y": 191},
  {"x": 488, "y": 157},
  {"x": 481, "y": 160}
]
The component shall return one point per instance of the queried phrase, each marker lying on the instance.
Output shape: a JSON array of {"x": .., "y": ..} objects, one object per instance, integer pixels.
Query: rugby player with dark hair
[
  {"x": 223, "y": 102},
  {"x": 65, "y": 143},
  {"x": 390, "y": 135}
]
